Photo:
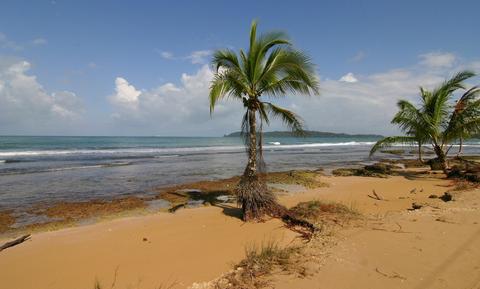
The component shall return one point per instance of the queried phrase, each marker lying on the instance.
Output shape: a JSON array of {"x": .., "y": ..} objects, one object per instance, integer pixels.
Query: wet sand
[{"x": 196, "y": 245}]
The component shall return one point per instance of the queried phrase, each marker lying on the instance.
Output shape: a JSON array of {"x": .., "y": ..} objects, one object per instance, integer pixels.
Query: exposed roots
[
  {"x": 254, "y": 198},
  {"x": 257, "y": 201}
]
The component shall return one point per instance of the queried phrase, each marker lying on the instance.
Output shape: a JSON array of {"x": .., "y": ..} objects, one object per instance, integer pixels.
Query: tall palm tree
[
  {"x": 437, "y": 121},
  {"x": 271, "y": 67}
]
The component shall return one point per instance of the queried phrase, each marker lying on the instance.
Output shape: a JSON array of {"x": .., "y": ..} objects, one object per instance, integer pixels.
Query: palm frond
[
  {"x": 225, "y": 84},
  {"x": 289, "y": 118},
  {"x": 225, "y": 58},
  {"x": 391, "y": 140}
]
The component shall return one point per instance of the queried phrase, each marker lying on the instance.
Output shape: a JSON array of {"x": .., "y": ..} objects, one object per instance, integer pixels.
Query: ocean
[{"x": 53, "y": 169}]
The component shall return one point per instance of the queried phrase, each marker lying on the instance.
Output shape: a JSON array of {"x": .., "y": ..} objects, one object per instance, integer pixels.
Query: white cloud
[
  {"x": 39, "y": 41},
  {"x": 199, "y": 57},
  {"x": 365, "y": 107},
  {"x": 438, "y": 59},
  {"x": 172, "y": 109},
  {"x": 166, "y": 54},
  {"x": 369, "y": 105},
  {"x": 196, "y": 57},
  {"x": 26, "y": 107},
  {"x": 126, "y": 94},
  {"x": 92, "y": 65},
  {"x": 349, "y": 77}
]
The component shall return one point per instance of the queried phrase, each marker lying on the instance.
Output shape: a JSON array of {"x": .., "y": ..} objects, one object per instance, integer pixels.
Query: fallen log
[{"x": 15, "y": 242}]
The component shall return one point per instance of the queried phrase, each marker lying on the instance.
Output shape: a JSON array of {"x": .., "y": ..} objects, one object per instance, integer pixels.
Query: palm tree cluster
[
  {"x": 439, "y": 120},
  {"x": 271, "y": 67}
]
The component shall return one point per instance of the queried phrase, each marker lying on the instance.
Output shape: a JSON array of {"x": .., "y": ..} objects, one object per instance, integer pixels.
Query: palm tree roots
[{"x": 257, "y": 201}]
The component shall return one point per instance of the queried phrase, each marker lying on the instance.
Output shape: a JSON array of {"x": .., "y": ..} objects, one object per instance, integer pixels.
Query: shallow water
[{"x": 51, "y": 169}]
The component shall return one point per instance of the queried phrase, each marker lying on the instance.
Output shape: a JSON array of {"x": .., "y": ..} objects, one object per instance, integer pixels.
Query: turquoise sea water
[{"x": 51, "y": 169}]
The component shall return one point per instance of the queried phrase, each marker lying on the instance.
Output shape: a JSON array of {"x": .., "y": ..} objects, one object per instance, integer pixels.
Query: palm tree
[
  {"x": 465, "y": 106},
  {"x": 437, "y": 121},
  {"x": 271, "y": 67}
]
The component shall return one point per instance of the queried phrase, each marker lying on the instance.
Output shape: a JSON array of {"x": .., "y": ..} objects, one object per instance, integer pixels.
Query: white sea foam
[
  {"x": 275, "y": 143},
  {"x": 88, "y": 167},
  {"x": 163, "y": 152}
]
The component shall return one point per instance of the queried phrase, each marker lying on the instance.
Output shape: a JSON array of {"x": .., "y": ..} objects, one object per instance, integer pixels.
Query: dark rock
[
  {"x": 435, "y": 164},
  {"x": 455, "y": 172},
  {"x": 379, "y": 168},
  {"x": 416, "y": 206},
  {"x": 433, "y": 196},
  {"x": 473, "y": 177},
  {"x": 446, "y": 197}
]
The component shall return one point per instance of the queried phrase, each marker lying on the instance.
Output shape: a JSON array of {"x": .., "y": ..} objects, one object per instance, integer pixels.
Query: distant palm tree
[
  {"x": 465, "y": 110},
  {"x": 408, "y": 121},
  {"x": 271, "y": 67},
  {"x": 437, "y": 121}
]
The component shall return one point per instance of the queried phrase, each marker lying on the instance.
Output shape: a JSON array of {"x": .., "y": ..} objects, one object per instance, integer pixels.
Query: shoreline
[
  {"x": 64, "y": 214},
  {"x": 199, "y": 245},
  {"x": 70, "y": 214}
]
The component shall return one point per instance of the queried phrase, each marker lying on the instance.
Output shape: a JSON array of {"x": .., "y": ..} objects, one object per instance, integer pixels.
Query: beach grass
[
  {"x": 317, "y": 211},
  {"x": 305, "y": 178}
]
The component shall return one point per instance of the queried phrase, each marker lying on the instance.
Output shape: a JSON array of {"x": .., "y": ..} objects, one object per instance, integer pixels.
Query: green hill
[{"x": 309, "y": 133}]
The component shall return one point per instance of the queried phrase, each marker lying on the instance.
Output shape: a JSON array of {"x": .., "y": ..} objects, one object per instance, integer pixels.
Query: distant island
[{"x": 308, "y": 133}]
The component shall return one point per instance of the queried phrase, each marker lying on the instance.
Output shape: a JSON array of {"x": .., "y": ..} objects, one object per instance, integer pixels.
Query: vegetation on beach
[
  {"x": 439, "y": 120},
  {"x": 271, "y": 67},
  {"x": 307, "y": 179},
  {"x": 321, "y": 211},
  {"x": 260, "y": 262},
  {"x": 379, "y": 170}
]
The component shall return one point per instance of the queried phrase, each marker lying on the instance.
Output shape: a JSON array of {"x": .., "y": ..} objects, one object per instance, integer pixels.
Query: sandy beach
[
  {"x": 193, "y": 145},
  {"x": 391, "y": 247}
]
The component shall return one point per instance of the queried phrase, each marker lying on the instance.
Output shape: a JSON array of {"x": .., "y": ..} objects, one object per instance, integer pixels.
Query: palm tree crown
[{"x": 270, "y": 67}]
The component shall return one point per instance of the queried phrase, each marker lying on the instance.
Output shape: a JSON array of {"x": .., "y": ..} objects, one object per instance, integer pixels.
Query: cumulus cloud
[
  {"x": 369, "y": 105},
  {"x": 365, "y": 107},
  {"x": 171, "y": 109},
  {"x": 126, "y": 95},
  {"x": 26, "y": 107},
  {"x": 349, "y": 77},
  {"x": 438, "y": 59}
]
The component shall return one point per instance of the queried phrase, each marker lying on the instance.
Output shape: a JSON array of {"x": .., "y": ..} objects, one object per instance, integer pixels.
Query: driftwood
[
  {"x": 177, "y": 207},
  {"x": 376, "y": 196},
  {"x": 394, "y": 275},
  {"x": 15, "y": 242}
]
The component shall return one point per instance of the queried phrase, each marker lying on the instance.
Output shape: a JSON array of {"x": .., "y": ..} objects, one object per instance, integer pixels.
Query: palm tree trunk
[
  {"x": 441, "y": 158},
  {"x": 252, "y": 191},
  {"x": 460, "y": 150},
  {"x": 251, "y": 169},
  {"x": 420, "y": 152}
]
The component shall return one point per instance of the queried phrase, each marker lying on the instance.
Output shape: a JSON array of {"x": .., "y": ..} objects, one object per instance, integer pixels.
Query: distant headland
[{"x": 308, "y": 133}]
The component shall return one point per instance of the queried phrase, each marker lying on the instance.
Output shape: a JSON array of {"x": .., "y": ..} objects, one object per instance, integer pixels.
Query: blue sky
[{"x": 70, "y": 55}]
